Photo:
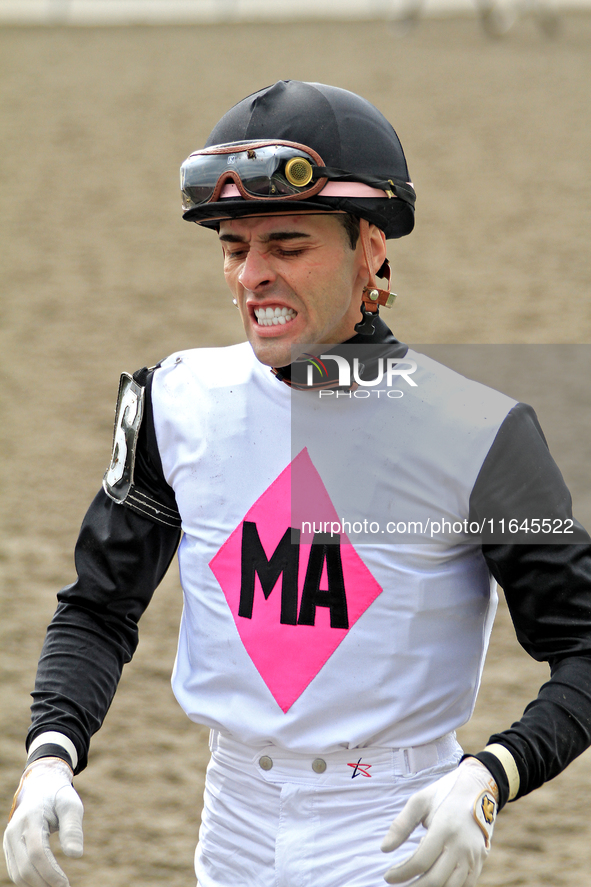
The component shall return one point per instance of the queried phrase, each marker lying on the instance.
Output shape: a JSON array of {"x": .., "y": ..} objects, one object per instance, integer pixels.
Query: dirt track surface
[{"x": 100, "y": 275}]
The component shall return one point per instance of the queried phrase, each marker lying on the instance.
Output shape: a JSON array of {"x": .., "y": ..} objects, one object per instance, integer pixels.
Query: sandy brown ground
[{"x": 99, "y": 274}]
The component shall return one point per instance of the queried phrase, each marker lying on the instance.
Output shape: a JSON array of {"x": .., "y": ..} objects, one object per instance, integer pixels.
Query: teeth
[{"x": 274, "y": 316}]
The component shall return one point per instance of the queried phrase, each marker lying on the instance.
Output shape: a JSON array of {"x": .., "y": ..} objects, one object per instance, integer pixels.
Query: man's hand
[
  {"x": 45, "y": 802},
  {"x": 458, "y": 812}
]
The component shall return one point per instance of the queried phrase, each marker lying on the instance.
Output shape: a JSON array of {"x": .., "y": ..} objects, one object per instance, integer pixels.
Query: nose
[{"x": 256, "y": 272}]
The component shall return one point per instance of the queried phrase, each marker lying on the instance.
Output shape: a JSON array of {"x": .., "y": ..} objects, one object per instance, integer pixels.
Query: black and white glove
[
  {"x": 45, "y": 802},
  {"x": 459, "y": 813}
]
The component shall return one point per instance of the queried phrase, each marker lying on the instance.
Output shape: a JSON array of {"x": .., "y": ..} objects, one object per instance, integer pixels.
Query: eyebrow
[{"x": 267, "y": 238}]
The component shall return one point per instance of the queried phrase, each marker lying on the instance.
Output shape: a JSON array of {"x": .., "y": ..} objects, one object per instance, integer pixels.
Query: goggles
[{"x": 274, "y": 170}]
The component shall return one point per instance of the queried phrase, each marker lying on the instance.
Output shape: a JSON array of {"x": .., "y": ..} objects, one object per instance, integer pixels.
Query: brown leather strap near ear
[{"x": 372, "y": 295}]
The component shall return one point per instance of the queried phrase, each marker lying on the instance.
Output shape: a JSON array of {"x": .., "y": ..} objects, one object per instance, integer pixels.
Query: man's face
[{"x": 295, "y": 279}]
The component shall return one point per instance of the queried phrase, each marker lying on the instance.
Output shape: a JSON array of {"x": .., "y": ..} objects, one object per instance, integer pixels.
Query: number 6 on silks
[{"x": 459, "y": 812}]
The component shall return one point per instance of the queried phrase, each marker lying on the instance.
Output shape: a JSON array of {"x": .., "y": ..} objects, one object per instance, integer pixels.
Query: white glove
[
  {"x": 458, "y": 812},
  {"x": 45, "y": 802}
]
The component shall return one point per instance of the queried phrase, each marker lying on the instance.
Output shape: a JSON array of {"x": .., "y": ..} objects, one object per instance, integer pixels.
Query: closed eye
[
  {"x": 235, "y": 253},
  {"x": 290, "y": 252}
]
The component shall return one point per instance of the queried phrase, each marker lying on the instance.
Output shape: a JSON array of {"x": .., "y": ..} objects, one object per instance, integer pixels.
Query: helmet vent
[{"x": 298, "y": 171}]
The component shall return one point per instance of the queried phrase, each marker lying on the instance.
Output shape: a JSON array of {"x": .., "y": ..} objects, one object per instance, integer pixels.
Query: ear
[
  {"x": 373, "y": 245},
  {"x": 377, "y": 239}
]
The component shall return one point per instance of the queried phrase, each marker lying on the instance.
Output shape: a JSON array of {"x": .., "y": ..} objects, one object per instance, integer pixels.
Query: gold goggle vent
[{"x": 298, "y": 172}]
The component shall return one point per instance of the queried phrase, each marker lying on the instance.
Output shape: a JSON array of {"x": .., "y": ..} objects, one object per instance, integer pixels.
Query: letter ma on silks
[{"x": 293, "y": 601}]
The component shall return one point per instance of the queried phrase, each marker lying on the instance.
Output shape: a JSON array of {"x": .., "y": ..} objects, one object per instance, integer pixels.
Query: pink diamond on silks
[{"x": 293, "y": 603}]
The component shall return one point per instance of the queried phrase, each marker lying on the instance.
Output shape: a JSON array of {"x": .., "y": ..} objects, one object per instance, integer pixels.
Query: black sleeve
[
  {"x": 548, "y": 592},
  {"x": 121, "y": 556}
]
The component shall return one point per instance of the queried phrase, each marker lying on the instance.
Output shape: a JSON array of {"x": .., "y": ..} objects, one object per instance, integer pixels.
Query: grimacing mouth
[{"x": 274, "y": 316}]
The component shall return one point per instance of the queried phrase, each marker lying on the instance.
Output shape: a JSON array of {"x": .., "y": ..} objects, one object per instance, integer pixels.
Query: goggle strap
[{"x": 393, "y": 187}]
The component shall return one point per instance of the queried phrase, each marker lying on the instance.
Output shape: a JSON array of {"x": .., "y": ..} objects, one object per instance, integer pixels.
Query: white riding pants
[{"x": 272, "y": 818}]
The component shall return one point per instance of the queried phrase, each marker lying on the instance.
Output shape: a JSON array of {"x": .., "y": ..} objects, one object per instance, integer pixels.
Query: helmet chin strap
[{"x": 372, "y": 296}]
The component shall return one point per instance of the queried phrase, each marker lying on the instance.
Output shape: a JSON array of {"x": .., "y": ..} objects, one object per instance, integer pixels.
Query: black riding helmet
[{"x": 359, "y": 148}]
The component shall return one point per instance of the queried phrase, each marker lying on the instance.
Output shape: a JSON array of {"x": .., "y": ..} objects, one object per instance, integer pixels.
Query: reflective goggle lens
[{"x": 267, "y": 171}]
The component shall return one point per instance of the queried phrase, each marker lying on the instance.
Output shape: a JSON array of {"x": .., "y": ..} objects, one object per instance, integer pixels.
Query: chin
[{"x": 272, "y": 354}]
